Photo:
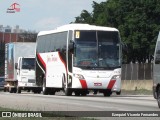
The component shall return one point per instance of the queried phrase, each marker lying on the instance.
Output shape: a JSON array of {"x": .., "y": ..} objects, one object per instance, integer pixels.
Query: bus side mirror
[
  {"x": 16, "y": 65},
  {"x": 71, "y": 47}
]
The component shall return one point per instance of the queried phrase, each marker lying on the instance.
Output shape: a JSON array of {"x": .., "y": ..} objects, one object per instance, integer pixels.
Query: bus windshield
[
  {"x": 97, "y": 50},
  {"x": 28, "y": 63}
]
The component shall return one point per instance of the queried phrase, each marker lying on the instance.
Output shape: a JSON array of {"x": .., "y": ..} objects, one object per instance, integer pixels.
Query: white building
[
  {"x": 18, "y": 30},
  {"x": 9, "y": 29}
]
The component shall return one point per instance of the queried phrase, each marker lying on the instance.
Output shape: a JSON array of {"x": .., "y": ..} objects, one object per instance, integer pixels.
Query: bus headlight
[
  {"x": 116, "y": 77},
  {"x": 79, "y": 76},
  {"x": 7, "y": 85}
]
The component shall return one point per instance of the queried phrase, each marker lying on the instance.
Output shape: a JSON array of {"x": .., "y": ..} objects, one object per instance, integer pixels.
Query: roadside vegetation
[
  {"x": 137, "y": 92},
  {"x": 137, "y": 21}
]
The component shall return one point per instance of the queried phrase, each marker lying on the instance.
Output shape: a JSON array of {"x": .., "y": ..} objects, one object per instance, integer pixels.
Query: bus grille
[{"x": 31, "y": 80}]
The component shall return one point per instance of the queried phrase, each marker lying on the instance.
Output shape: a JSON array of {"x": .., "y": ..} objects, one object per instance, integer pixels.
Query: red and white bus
[{"x": 79, "y": 58}]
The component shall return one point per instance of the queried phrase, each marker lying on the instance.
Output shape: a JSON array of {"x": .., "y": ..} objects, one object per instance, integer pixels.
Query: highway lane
[
  {"x": 60, "y": 102},
  {"x": 39, "y": 102}
]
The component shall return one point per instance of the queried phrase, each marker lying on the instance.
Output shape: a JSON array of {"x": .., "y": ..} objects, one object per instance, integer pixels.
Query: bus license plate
[{"x": 97, "y": 84}]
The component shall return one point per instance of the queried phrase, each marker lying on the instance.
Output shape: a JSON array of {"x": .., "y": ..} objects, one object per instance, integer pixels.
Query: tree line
[{"x": 137, "y": 20}]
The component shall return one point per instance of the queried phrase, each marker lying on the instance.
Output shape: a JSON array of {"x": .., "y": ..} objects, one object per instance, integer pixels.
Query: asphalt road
[{"x": 59, "y": 102}]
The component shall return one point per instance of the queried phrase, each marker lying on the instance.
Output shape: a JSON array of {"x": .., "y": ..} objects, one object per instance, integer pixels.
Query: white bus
[
  {"x": 156, "y": 72},
  {"x": 79, "y": 58}
]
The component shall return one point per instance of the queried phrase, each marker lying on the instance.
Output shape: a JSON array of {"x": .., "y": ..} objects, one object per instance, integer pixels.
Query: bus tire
[
  {"x": 52, "y": 91},
  {"x": 14, "y": 90},
  {"x": 5, "y": 89},
  {"x": 44, "y": 88},
  {"x": 39, "y": 91},
  {"x": 77, "y": 93},
  {"x": 18, "y": 90},
  {"x": 10, "y": 90},
  {"x": 83, "y": 94},
  {"x": 107, "y": 93},
  {"x": 67, "y": 91},
  {"x": 158, "y": 97},
  {"x": 35, "y": 91},
  {"x": 118, "y": 93}
]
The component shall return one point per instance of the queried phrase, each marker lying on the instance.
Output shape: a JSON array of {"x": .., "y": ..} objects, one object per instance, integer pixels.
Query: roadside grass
[{"x": 137, "y": 92}]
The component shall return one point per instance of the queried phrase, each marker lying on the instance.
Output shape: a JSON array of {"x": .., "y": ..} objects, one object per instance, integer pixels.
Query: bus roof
[{"x": 77, "y": 27}]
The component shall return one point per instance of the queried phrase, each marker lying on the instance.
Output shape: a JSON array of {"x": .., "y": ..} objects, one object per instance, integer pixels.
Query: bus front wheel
[
  {"x": 77, "y": 93},
  {"x": 67, "y": 91},
  {"x": 18, "y": 90},
  {"x": 44, "y": 89},
  {"x": 107, "y": 93},
  {"x": 118, "y": 93}
]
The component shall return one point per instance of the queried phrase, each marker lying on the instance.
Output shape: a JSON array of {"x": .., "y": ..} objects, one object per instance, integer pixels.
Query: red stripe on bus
[
  {"x": 84, "y": 84},
  {"x": 62, "y": 61},
  {"x": 111, "y": 84},
  {"x": 42, "y": 61}
]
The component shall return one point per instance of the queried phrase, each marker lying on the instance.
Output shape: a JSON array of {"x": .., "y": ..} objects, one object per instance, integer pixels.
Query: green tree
[
  {"x": 137, "y": 21},
  {"x": 27, "y": 36},
  {"x": 85, "y": 17}
]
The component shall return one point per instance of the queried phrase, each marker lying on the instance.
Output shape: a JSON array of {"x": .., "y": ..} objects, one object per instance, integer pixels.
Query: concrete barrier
[{"x": 137, "y": 84}]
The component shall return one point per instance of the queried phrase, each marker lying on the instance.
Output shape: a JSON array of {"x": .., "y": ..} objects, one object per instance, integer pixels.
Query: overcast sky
[{"x": 43, "y": 14}]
